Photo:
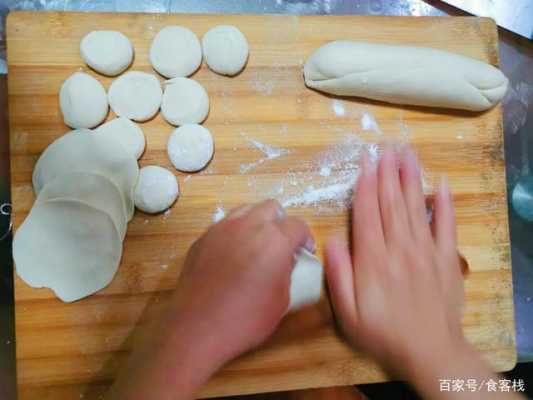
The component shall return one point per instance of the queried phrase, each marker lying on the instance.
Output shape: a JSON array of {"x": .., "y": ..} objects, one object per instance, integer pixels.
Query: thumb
[{"x": 340, "y": 277}]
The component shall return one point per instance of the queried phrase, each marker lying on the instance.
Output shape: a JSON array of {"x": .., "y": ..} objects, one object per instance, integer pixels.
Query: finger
[
  {"x": 413, "y": 195},
  {"x": 366, "y": 221},
  {"x": 240, "y": 211},
  {"x": 266, "y": 211},
  {"x": 297, "y": 233},
  {"x": 391, "y": 203},
  {"x": 443, "y": 223},
  {"x": 339, "y": 274}
]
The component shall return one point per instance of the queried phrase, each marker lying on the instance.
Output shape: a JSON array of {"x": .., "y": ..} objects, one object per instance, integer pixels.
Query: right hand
[{"x": 398, "y": 295}]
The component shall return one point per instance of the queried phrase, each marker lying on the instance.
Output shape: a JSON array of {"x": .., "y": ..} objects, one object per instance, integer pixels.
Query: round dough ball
[
  {"x": 225, "y": 49},
  {"x": 175, "y": 51},
  {"x": 135, "y": 95},
  {"x": 190, "y": 147},
  {"x": 127, "y": 133},
  {"x": 185, "y": 101},
  {"x": 83, "y": 101},
  {"x": 157, "y": 189},
  {"x": 107, "y": 52}
]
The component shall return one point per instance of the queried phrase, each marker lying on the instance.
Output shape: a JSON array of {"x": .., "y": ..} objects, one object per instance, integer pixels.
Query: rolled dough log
[
  {"x": 83, "y": 151},
  {"x": 405, "y": 75},
  {"x": 67, "y": 246},
  {"x": 175, "y": 51},
  {"x": 127, "y": 133},
  {"x": 185, "y": 101},
  {"x": 306, "y": 281},
  {"x": 92, "y": 189},
  {"x": 157, "y": 189},
  {"x": 225, "y": 49},
  {"x": 83, "y": 101},
  {"x": 135, "y": 95},
  {"x": 190, "y": 147},
  {"x": 107, "y": 52}
]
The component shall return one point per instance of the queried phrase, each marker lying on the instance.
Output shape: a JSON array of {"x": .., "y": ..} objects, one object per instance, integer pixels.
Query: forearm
[
  {"x": 172, "y": 362},
  {"x": 437, "y": 378}
]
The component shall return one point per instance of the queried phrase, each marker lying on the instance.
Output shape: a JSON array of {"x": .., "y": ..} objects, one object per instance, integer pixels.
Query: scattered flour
[
  {"x": 186, "y": 178},
  {"x": 270, "y": 152},
  {"x": 219, "y": 214},
  {"x": 338, "y": 108},
  {"x": 368, "y": 123}
]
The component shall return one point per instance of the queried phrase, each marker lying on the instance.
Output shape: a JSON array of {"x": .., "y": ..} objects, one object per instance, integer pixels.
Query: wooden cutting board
[{"x": 68, "y": 350}]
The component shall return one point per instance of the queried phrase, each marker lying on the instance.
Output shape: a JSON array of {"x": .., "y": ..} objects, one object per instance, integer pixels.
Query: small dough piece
[
  {"x": 83, "y": 151},
  {"x": 67, "y": 246},
  {"x": 83, "y": 101},
  {"x": 157, "y": 189},
  {"x": 107, "y": 52},
  {"x": 135, "y": 95},
  {"x": 175, "y": 52},
  {"x": 92, "y": 189},
  {"x": 190, "y": 147},
  {"x": 185, "y": 101},
  {"x": 306, "y": 281},
  {"x": 127, "y": 133},
  {"x": 225, "y": 49},
  {"x": 405, "y": 75}
]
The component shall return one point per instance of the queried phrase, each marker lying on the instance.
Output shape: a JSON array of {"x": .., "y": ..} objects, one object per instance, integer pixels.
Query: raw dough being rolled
[
  {"x": 83, "y": 151},
  {"x": 135, "y": 95},
  {"x": 107, "y": 52},
  {"x": 306, "y": 281},
  {"x": 185, "y": 101},
  {"x": 405, "y": 75},
  {"x": 83, "y": 101},
  {"x": 157, "y": 189},
  {"x": 127, "y": 133},
  {"x": 225, "y": 49},
  {"x": 92, "y": 189},
  {"x": 190, "y": 147},
  {"x": 175, "y": 51},
  {"x": 67, "y": 246}
]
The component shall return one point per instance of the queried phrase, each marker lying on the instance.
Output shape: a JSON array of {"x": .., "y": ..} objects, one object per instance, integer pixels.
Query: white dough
[
  {"x": 175, "y": 52},
  {"x": 135, "y": 95},
  {"x": 405, "y": 75},
  {"x": 83, "y": 101},
  {"x": 127, "y": 133},
  {"x": 92, "y": 189},
  {"x": 157, "y": 189},
  {"x": 67, "y": 246},
  {"x": 107, "y": 52},
  {"x": 225, "y": 49},
  {"x": 83, "y": 151},
  {"x": 190, "y": 147},
  {"x": 185, "y": 101},
  {"x": 306, "y": 281}
]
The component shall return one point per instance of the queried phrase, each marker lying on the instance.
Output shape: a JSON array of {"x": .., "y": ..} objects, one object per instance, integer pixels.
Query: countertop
[{"x": 516, "y": 61}]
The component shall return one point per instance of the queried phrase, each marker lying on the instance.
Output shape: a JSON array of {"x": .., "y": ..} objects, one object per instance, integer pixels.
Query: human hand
[
  {"x": 398, "y": 295},
  {"x": 235, "y": 282}
]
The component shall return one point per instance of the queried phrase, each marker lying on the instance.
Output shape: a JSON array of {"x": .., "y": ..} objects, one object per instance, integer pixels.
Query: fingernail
[
  {"x": 412, "y": 160},
  {"x": 310, "y": 245}
]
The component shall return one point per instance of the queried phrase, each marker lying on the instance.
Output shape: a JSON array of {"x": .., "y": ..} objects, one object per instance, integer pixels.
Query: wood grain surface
[{"x": 66, "y": 351}]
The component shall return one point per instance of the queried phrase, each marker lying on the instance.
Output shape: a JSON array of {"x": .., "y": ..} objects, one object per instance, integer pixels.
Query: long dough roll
[{"x": 405, "y": 75}]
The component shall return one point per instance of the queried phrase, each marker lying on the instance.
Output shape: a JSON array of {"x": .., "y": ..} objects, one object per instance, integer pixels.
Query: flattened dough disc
[
  {"x": 67, "y": 246},
  {"x": 83, "y": 151},
  {"x": 92, "y": 189}
]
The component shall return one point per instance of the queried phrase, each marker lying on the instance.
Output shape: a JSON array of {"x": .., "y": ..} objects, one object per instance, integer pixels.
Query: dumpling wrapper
[
  {"x": 67, "y": 246},
  {"x": 306, "y": 281},
  {"x": 92, "y": 189},
  {"x": 83, "y": 151}
]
